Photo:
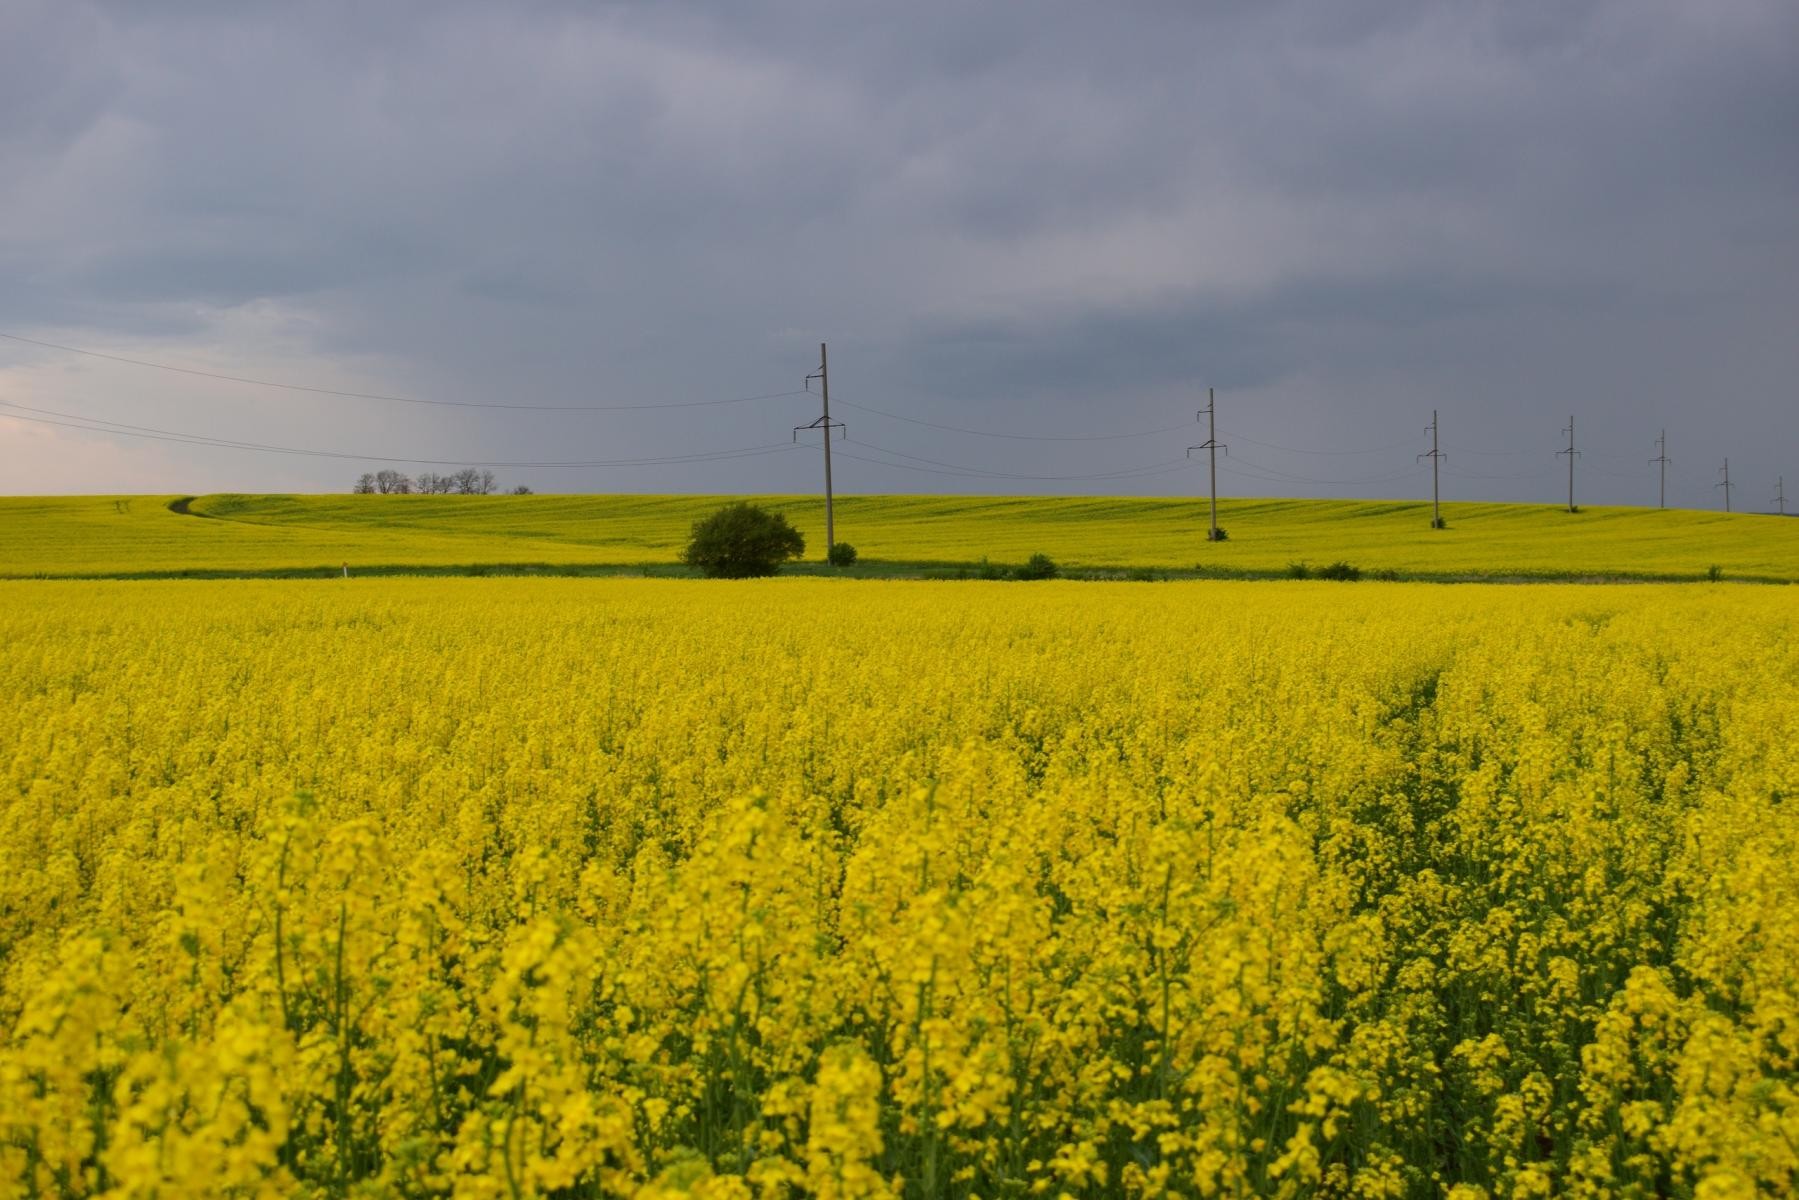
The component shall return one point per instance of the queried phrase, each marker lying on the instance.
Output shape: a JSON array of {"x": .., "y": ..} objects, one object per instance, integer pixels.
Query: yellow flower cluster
[{"x": 496, "y": 888}]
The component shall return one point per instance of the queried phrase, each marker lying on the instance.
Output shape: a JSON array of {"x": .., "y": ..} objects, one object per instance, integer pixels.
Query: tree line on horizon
[{"x": 467, "y": 482}]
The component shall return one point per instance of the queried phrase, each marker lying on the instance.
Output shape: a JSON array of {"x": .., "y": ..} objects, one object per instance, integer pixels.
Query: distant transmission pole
[
  {"x": 1725, "y": 469},
  {"x": 824, "y": 422},
  {"x": 1572, "y": 454},
  {"x": 1780, "y": 496},
  {"x": 1436, "y": 456},
  {"x": 1211, "y": 445},
  {"x": 1661, "y": 456}
]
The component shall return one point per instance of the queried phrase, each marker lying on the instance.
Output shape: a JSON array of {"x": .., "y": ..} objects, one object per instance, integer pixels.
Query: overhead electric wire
[
  {"x": 948, "y": 468},
  {"x": 1233, "y": 462},
  {"x": 900, "y": 466},
  {"x": 1280, "y": 481},
  {"x": 323, "y": 391},
  {"x": 1243, "y": 437},
  {"x": 1493, "y": 453},
  {"x": 99, "y": 425},
  {"x": 1016, "y": 437},
  {"x": 1461, "y": 474},
  {"x": 1645, "y": 474},
  {"x": 1538, "y": 450}
]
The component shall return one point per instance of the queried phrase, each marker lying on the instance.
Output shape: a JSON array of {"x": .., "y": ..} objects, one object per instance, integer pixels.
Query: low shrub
[
  {"x": 1340, "y": 571},
  {"x": 1040, "y": 566},
  {"x": 1298, "y": 570},
  {"x": 842, "y": 555}
]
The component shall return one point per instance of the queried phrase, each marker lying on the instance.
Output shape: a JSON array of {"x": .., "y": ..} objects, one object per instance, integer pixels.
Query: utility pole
[
  {"x": 1572, "y": 454},
  {"x": 1661, "y": 456},
  {"x": 1436, "y": 456},
  {"x": 1726, "y": 484},
  {"x": 1780, "y": 496},
  {"x": 824, "y": 422},
  {"x": 1211, "y": 445}
]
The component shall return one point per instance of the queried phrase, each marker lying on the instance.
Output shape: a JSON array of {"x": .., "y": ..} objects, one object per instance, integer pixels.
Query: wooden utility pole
[
  {"x": 1211, "y": 446},
  {"x": 1436, "y": 456},
  {"x": 1661, "y": 457},
  {"x": 1572, "y": 454},
  {"x": 824, "y": 423},
  {"x": 1726, "y": 484}
]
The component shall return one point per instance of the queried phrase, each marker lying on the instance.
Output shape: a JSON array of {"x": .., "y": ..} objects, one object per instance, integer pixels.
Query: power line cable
[
  {"x": 900, "y": 466},
  {"x": 959, "y": 468},
  {"x": 1461, "y": 474},
  {"x": 1017, "y": 437},
  {"x": 1495, "y": 453},
  {"x": 1236, "y": 467},
  {"x": 1276, "y": 473},
  {"x": 1124, "y": 472},
  {"x": 120, "y": 429},
  {"x": 1621, "y": 474},
  {"x": 322, "y": 391},
  {"x": 1243, "y": 437}
]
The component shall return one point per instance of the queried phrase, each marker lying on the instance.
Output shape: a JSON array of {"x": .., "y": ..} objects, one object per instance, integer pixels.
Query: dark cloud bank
[{"x": 1043, "y": 218}]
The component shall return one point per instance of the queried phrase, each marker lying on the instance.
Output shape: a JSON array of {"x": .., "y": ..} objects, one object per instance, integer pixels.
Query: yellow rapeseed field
[
  {"x": 140, "y": 536},
  {"x": 504, "y": 888}
]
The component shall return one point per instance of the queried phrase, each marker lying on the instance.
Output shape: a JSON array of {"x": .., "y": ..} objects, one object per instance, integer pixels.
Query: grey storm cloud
[{"x": 1052, "y": 219}]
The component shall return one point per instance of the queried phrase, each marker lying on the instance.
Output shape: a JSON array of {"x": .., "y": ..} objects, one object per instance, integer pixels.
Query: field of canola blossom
[{"x": 505, "y": 888}]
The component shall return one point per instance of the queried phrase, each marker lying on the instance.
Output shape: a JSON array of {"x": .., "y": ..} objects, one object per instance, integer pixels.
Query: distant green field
[{"x": 129, "y": 535}]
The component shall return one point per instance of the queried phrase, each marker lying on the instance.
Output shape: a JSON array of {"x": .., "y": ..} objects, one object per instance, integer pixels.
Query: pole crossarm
[{"x": 820, "y": 423}]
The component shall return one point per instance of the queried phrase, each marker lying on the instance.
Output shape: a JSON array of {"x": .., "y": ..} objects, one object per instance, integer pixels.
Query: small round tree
[{"x": 740, "y": 541}]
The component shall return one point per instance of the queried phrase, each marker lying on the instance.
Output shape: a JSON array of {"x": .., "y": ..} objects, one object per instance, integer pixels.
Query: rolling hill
[{"x": 299, "y": 534}]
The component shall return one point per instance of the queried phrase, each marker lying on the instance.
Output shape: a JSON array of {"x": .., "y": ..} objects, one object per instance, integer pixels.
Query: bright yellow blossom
[{"x": 497, "y": 888}]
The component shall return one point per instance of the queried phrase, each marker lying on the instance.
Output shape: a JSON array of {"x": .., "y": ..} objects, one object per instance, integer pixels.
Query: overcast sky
[{"x": 1024, "y": 219}]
